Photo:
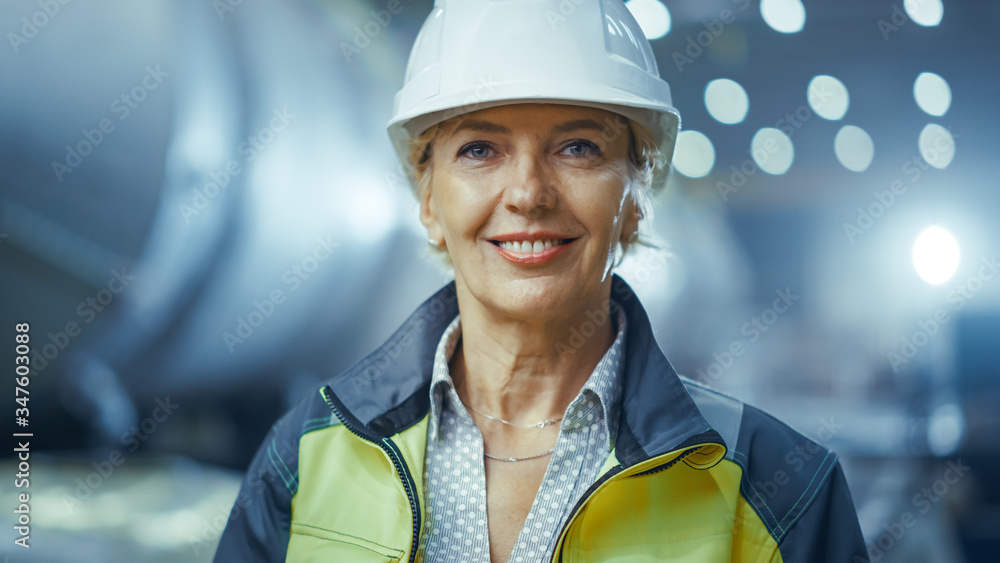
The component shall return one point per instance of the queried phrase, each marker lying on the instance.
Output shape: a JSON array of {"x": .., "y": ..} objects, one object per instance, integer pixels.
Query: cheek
[
  {"x": 464, "y": 207},
  {"x": 597, "y": 199}
]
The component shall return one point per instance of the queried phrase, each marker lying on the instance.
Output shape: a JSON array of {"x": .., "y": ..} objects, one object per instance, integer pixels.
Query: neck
[{"x": 527, "y": 370}]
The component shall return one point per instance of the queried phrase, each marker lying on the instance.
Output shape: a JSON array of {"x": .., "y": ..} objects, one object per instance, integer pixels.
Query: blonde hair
[{"x": 644, "y": 157}]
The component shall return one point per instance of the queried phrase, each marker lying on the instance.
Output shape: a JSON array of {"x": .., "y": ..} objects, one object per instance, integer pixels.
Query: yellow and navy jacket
[{"x": 695, "y": 476}]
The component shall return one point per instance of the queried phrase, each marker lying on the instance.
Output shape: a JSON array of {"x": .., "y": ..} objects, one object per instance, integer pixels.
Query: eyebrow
[
  {"x": 490, "y": 127},
  {"x": 577, "y": 124},
  {"x": 482, "y": 126}
]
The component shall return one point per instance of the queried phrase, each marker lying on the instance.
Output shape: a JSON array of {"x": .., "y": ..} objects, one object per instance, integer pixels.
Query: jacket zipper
[
  {"x": 669, "y": 464},
  {"x": 394, "y": 454},
  {"x": 613, "y": 472}
]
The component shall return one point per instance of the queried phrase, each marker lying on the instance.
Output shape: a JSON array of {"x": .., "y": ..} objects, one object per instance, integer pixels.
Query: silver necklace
[
  {"x": 538, "y": 425},
  {"x": 546, "y": 452}
]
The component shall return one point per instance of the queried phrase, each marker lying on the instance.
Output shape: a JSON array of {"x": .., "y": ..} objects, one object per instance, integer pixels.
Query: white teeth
[{"x": 528, "y": 247}]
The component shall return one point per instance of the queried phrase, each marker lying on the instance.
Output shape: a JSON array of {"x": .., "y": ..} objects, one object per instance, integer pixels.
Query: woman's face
[{"x": 530, "y": 200}]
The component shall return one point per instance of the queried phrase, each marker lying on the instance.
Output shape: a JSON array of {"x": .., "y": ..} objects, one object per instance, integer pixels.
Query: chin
[{"x": 532, "y": 297}]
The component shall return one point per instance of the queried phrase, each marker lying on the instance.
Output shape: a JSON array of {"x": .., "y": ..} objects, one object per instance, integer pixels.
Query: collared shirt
[{"x": 455, "y": 523}]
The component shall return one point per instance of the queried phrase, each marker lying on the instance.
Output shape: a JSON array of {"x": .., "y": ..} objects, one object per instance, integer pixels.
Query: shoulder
[
  {"x": 260, "y": 520},
  {"x": 786, "y": 477},
  {"x": 755, "y": 438},
  {"x": 280, "y": 451}
]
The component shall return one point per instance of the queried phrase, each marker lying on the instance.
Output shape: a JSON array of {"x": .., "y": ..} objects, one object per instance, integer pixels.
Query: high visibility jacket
[{"x": 695, "y": 475}]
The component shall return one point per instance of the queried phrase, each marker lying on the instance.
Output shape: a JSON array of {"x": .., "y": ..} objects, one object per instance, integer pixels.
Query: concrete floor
[{"x": 148, "y": 508}]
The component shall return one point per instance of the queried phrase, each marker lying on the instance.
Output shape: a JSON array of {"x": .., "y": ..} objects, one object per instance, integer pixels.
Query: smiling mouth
[
  {"x": 531, "y": 247},
  {"x": 531, "y": 251}
]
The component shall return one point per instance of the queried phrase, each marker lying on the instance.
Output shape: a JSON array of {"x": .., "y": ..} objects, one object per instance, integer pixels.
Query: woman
[{"x": 525, "y": 412}]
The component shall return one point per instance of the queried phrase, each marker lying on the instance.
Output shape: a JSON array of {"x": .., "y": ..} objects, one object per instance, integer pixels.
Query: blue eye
[
  {"x": 582, "y": 148},
  {"x": 477, "y": 151}
]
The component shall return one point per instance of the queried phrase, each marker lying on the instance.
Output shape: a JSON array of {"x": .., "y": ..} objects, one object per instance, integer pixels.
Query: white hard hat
[{"x": 476, "y": 54}]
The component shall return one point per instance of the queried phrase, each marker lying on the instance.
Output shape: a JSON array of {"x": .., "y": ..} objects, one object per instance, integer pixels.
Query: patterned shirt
[{"x": 455, "y": 527}]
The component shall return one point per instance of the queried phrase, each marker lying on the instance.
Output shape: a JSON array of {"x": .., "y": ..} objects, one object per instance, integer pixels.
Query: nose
[{"x": 531, "y": 187}]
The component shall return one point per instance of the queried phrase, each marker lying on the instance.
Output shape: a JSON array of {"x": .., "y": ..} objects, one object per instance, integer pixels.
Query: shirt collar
[
  {"x": 441, "y": 382},
  {"x": 604, "y": 381}
]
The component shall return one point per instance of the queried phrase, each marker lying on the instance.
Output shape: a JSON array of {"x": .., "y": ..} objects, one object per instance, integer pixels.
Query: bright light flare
[
  {"x": 935, "y": 255},
  {"x": 653, "y": 17}
]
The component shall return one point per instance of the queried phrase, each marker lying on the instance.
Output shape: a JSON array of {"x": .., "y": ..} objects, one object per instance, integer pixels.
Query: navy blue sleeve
[
  {"x": 828, "y": 531},
  {"x": 260, "y": 521},
  {"x": 797, "y": 488}
]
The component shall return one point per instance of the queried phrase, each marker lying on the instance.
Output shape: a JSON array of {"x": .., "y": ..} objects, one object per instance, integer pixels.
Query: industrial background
[{"x": 201, "y": 216}]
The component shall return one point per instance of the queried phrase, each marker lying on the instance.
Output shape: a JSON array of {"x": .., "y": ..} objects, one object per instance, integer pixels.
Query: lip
[{"x": 534, "y": 258}]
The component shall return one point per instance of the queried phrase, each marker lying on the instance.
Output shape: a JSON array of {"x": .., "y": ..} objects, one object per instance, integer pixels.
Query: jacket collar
[{"x": 388, "y": 391}]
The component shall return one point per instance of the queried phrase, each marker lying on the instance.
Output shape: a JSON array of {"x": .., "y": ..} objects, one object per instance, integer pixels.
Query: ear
[
  {"x": 630, "y": 221},
  {"x": 429, "y": 216}
]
